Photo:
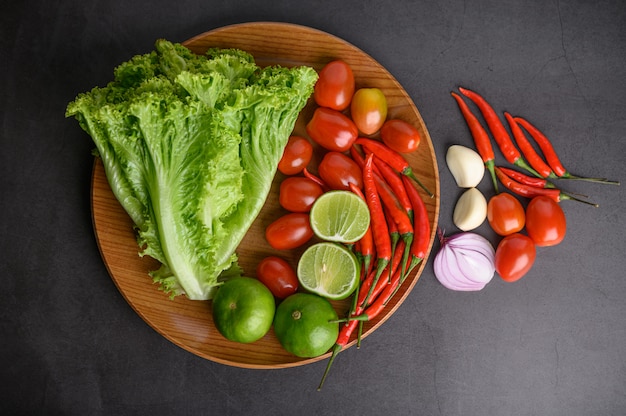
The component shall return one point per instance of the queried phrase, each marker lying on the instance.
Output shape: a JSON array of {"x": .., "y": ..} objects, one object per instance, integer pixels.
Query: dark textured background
[{"x": 553, "y": 343}]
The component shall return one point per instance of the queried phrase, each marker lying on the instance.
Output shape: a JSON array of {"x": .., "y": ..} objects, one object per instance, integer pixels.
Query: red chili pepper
[
  {"x": 531, "y": 191},
  {"x": 377, "y": 306},
  {"x": 534, "y": 159},
  {"x": 498, "y": 131},
  {"x": 551, "y": 157},
  {"x": 380, "y": 231},
  {"x": 525, "y": 179},
  {"x": 421, "y": 227},
  {"x": 345, "y": 332},
  {"x": 315, "y": 179},
  {"x": 392, "y": 158},
  {"x": 395, "y": 182},
  {"x": 392, "y": 267},
  {"x": 545, "y": 146},
  {"x": 398, "y": 215},
  {"x": 394, "y": 234},
  {"x": 481, "y": 139}
]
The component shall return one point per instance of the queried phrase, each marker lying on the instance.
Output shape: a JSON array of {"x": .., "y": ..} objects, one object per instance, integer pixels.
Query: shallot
[{"x": 465, "y": 261}]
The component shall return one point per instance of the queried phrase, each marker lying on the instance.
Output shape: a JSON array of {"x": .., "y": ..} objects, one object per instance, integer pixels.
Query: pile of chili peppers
[
  {"x": 539, "y": 171},
  {"x": 398, "y": 237}
]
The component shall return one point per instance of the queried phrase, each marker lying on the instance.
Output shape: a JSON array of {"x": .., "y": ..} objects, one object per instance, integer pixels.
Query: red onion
[{"x": 465, "y": 261}]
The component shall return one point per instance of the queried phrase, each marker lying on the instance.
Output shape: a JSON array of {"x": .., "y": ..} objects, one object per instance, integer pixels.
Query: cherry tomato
[
  {"x": 338, "y": 171},
  {"x": 297, "y": 193},
  {"x": 400, "y": 136},
  {"x": 515, "y": 256},
  {"x": 289, "y": 231},
  {"x": 368, "y": 110},
  {"x": 335, "y": 86},
  {"x": 296, "y": 156},
  {"x": 505, "y": 214},
  {"x": 332, "y": 130},
  {"x": 545, "y": 221},
  {"x": 278, "y": 275}
]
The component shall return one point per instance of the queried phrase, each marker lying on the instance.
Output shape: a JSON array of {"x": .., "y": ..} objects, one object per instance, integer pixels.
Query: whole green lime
[
  {"x": 303, "y": 325},
  {"x": 243, "y": 309}
]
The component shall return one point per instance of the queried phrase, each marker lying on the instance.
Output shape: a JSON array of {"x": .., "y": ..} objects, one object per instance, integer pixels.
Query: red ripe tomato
[
  {"x": 296, "y": 156},
  {"x": 278, "y": 275},
  {"x": 400, "y": 136},
  {"x": 338, "y": 170},
  {"x": 545, "y": 221},
  {"x": 515, "y": 256},
  {"x": 289, "y": 231},
  {"x": 368, "y": 110},
  {"x": 297, "y": 194},
  {"x": 332, "y": 130},
  {"x": 335, "y": 86},
  {"x": 505, "y": 214}
]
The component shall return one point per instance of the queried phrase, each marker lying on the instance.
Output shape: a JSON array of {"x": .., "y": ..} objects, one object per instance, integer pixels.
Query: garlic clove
[
  {"x": 470, "y": 210},
  {"x": 466, "y": 166}
]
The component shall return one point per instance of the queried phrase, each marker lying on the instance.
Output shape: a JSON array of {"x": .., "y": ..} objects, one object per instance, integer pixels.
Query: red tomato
[
  {"x": 278, "y": 275},
  {"x": 338, "y": 170},
  {"x": 515, "y": 256},
  {"x": 297, "y": 194},
  {"x": 368, "y": 110},
  {"x": 505, "y": 214},
  {"x": 335, "y": 86},
  {"x": 332, "y": 130},
  {"x": 545, "y": 221},
  {"x": 400, "y": 136},
  {"x": 289, "y": 231},
  {"x": 296, "y": 156}
]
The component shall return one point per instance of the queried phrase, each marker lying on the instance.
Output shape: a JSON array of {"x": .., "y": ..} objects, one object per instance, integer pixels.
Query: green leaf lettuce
[{"x": 190, "y": 145}]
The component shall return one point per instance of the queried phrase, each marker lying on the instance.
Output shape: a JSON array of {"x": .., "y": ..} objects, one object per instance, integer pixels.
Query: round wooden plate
[{"x": 189, "y": 324}]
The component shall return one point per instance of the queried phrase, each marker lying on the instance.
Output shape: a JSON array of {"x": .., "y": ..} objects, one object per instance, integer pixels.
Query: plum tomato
[
  {"x": 297, "y": 193},
  {"x": 335, "y": 86},
  {"x": 338, "y": 170},
  {"x": 505, "y": 214},
  {"x": 332, "y": 130},
  {"x": 289, "y": 231},
  {"x": 545, "y": 221},
  {"x": 296, "y": 156},
  {"x": 515, "y": 256},
  {"x": 368, "y": 110},
  {"x": 278, "y": 275},
  {"x": 400, "y": 135}
]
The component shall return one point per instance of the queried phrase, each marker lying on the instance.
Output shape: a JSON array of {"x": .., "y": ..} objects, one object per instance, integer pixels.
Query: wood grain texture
[{"x": 189, "y": 324}]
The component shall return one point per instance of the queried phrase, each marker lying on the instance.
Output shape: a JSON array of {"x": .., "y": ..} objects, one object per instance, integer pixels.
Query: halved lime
[
  {"x": 329, "y": 270},
  {"x": 340, "y": 216}
]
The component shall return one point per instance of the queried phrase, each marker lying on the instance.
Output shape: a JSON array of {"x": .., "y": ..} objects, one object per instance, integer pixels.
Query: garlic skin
[
  {"x": 466, "y": 166},
  {"x": 470, "y": 210}
]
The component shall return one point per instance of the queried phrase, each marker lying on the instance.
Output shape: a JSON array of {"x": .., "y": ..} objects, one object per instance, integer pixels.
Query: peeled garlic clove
[
  {"x": 470, "y": 210},
  {"x": 466, "y": 166}
]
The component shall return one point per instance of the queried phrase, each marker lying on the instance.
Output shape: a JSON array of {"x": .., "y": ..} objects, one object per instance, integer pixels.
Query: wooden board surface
[{"x": 189, "y": 324}]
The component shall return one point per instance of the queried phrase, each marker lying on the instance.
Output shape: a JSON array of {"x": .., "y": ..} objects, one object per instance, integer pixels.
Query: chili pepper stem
[
  {"x": 380, "y": 267},
  {"x": 336, "y": 349},
  {"x": 521, "y": 162},
  {"x": 408, "y": 239},
  {"x": 409, "y": 172},
  {"x": 490, "y": 165},
  {"x": 359, "y": 334},
  {"x": 414, "y": 262},
  {"x": 569, "y": 176},
  {"x": 570, "y": 197}
]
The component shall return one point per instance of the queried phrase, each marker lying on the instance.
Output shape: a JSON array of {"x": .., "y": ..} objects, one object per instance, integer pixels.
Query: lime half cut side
[
  {"x": 329, "y": 270},
  {"x": 340, "y": 216}
]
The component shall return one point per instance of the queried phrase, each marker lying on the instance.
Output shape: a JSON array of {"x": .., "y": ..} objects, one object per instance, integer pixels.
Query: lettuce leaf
[{"x": 190, "y": 145}]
